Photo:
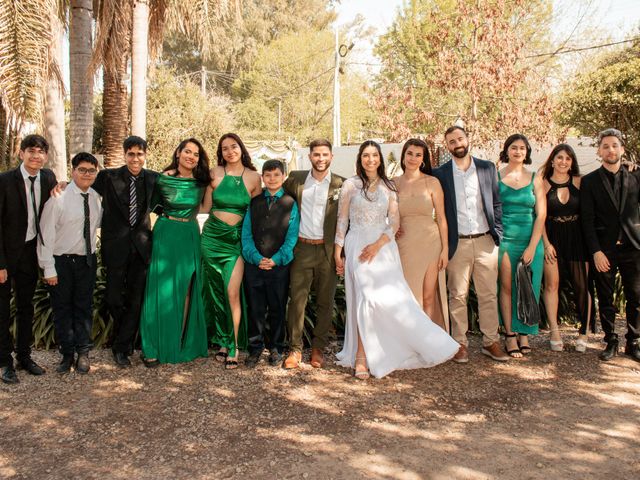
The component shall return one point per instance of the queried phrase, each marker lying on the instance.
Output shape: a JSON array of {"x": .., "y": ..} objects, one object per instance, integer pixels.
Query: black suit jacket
[
  {"x": 491, "y": 203},
  {"x": 116, "y": 234},
  {"x": 602, "y": 216},
  {"x": 14, "y": 214}
]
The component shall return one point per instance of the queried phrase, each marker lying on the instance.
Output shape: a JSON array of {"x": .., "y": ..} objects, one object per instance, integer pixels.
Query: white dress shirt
[
  {"x": 62, "y": 226},
  {"x": 471, "y": 217},
  {"x": 31, "y": 214},
  {"x": 314, "y": 203}
]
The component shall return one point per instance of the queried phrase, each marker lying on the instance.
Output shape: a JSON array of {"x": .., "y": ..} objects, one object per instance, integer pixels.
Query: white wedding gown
[{"x": 395, "y": 331}]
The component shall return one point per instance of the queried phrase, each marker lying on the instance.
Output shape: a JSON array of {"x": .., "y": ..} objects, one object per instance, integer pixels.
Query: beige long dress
[{"x": 420, "y": 246}]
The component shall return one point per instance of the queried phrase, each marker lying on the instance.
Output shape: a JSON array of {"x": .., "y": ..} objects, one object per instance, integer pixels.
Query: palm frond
[{"x": 25, "y": 56}]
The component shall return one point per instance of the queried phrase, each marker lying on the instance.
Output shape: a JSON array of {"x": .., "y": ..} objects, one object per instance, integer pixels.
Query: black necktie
[
  {"x": 35, "y": 208},
  {"x": 133, "y": 202},
  {"x": 87, "y": 229},
  {"x": 271, "y": 200}
]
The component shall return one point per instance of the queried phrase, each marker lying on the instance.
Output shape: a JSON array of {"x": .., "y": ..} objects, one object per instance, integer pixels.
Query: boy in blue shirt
[{"x": 269, "y": 234}]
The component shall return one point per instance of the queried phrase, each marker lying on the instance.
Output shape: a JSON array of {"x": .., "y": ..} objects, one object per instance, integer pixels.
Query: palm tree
[
  {"x": 26, "y": 66},
  {"x": 81, "y": 85}
]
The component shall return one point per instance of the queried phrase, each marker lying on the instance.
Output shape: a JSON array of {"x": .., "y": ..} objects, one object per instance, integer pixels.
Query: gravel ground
[{"x": 548, "y": 416}]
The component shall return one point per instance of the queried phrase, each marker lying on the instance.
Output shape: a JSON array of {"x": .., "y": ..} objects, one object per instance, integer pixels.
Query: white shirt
[
  {"x": 471, "y": 217},
  {"x": 314, "y": 203},
  {"x": 31, "y": 214},
  {"x": 62, "y": 226}
]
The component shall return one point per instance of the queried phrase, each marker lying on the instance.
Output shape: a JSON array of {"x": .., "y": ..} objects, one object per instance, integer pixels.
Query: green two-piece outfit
[
  {"x": 221, "y": 248},
  {"x": 175, "y": 277}
]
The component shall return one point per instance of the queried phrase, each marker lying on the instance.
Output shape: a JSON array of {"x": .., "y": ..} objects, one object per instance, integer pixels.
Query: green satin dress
[
  {"x": 518, "y": 217},
  {"x": 175, "y": 276},
  {"x": 221, "y": 248}
]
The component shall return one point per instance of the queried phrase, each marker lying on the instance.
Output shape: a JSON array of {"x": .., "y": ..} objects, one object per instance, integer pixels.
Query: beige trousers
[{"x": 475, "y": 259}]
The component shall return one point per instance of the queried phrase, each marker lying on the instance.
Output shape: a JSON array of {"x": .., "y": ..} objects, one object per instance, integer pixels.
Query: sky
[{"x": 620, "y": 17}]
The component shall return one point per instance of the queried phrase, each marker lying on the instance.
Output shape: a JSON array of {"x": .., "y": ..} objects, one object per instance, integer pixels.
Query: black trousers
[
  {"x": 22, "y": 281},
  {"x": 124, "y": 295},
  {"x": 72, "y": 303},
  {"x": 626, "y": 260},
  {"x": 266, "y": 294}
]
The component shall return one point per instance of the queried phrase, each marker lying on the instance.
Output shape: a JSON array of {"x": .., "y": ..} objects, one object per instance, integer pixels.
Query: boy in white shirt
[{"x": 66, "y": 252}]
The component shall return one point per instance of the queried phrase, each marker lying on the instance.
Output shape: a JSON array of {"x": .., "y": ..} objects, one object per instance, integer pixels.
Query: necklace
[
  {"x": 235, "y": 178},
  {"x": 373, "y": 184}
]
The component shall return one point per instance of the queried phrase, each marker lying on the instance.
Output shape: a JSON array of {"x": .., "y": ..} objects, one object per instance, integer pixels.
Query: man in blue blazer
[{"x": 474, "y": 217}]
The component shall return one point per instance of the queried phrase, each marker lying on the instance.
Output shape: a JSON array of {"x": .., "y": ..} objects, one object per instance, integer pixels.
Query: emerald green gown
[
  {"x": 518, "y": 218},
  {"x": 221, "y": 248},
  {"x": 175, "y": 271}
]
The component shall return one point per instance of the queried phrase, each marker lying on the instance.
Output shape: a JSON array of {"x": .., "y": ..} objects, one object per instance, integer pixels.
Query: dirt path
[{"x": 549, "y": 416}]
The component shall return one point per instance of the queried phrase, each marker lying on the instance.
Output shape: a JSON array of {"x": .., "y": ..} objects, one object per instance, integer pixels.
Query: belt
[
  {"x": 473, "y": 235},
  {"x": 564, "y": 218},
  {"x": 310, "y": 242},
  {"x": 177, "y": 219}
]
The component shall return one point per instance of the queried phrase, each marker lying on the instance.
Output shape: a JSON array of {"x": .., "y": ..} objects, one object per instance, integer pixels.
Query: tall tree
[
  {"x": 139, "y": 64},
  {"x": 81, "y": 78},
  {"x": 25, "y": 62},
  {"x": 54, "y": 115},
  {"x": 608, "y": 95},
  {"x": 448, "y": 59},
  {"x": 239, "y": 42}
]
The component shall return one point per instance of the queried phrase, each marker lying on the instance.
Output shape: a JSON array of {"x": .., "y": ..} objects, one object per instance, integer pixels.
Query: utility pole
[
  {"x": 280, "y": 115},
  {"x": 203, "y": 81},
  {"x": 336, "y": 97}
]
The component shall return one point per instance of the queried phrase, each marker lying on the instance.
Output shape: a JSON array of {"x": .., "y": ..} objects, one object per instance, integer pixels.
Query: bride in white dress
[{"x": 386, "y": 328}]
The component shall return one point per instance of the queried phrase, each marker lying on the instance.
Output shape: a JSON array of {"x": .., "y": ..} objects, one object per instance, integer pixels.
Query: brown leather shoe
[
  {"x": 317, "y": 358},
  {"x": 495, "y": 352},
  {"x": 293, "y": 360},
  {"x": 462, "y": 356}
]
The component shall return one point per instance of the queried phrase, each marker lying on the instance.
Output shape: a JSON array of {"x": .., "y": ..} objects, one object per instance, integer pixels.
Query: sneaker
[
  {"x": 495, "y": 352},
  {"x": 275, "y": 358},
  {"x": 462, "y": 356}
]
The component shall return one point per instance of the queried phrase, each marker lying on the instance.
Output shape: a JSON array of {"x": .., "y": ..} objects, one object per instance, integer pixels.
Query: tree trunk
[
  {"x": 139, "y": 60},
  {"x": 54, "y": 108},
  {"x": 81, "y": 118},
  {"x": 115, "y": 116}
]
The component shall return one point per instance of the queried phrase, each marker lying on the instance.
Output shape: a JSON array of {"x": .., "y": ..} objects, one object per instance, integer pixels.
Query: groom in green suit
[{"x": 316, "y": 191}]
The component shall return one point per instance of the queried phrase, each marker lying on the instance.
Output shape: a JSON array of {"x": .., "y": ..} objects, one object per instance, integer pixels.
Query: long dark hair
[
  {"x": 425, "y": 167},
  {"x": 201, "y": 172},
  {"x": 504, "y": 154},
  {"x": 245, "y": 158},
  {"x": 574, "y": 171},
  {"x": 366, "y": 183}
]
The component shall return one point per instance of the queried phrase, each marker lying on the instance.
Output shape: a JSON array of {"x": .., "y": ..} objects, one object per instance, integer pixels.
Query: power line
[{"x": 582, "y": 49}]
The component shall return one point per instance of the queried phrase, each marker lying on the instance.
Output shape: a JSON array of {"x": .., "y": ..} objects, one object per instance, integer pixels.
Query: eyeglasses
[{"x": 87, "y": 171}]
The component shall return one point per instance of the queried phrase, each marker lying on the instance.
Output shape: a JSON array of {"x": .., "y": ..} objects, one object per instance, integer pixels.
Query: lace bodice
[{"x": 355, "y": 211}]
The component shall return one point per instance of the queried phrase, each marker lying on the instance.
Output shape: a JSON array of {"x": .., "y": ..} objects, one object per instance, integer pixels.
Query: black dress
[{"x": 564, "y": 231}]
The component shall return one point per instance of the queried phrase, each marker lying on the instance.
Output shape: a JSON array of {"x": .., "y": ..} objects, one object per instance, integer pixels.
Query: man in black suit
[
  {"x": 474, "y": 218},
  {"x": 610, "y": 212},
  {"x": 126, "y": 241},
  {"x": 23, "y": 193}
]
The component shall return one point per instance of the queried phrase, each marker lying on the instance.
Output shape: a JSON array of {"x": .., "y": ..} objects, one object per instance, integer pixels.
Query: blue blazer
[{"x": 491, "y": 203}]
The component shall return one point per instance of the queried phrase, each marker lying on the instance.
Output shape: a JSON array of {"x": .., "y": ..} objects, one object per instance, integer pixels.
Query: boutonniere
[{"x": 335, "y": 196}]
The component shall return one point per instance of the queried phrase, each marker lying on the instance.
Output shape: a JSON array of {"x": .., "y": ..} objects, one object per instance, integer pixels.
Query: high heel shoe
[
  {"x": 231, "y": 363},
  {"x": 515, "y": 352},
  {"x": 581, "y": 345},
  {"x": 555, "y": 345},
  {"x": 361, "y": 374}
]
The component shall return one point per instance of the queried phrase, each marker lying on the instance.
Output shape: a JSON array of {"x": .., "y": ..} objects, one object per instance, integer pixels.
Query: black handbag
[{"x": 527, "y": 306}]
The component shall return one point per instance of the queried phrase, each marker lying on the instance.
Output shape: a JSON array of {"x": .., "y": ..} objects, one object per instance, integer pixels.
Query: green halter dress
[
  {"x": 518, "y": 217},
  {"x": 175, "y": 277},
  {"x": 221, "y": 248}
]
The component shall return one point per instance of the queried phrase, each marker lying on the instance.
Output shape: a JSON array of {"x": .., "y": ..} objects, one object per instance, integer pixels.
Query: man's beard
[
  {"x": 612, "y": 162},
  {"x": 460, "y": 152}
]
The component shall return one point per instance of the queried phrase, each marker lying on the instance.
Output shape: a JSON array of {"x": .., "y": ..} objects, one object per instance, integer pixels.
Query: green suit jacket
[{"x": 294, "y": 186}]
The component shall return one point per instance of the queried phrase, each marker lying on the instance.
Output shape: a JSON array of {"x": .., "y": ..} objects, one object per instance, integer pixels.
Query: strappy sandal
[
  {"x": 512, "y": 353},
  {"x": 555, "y": 345},
  {"x": 221, "y": 356},
  {"x": 524, "y": 349},
  {"x": 361, "y": 374},
  {"x": 231, "y": 363}
]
